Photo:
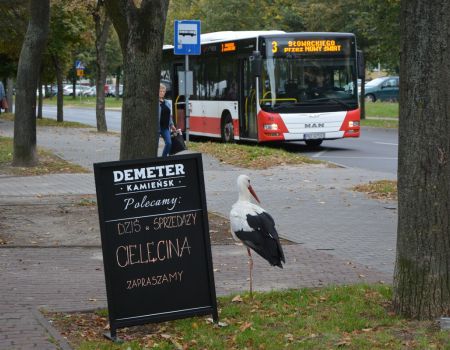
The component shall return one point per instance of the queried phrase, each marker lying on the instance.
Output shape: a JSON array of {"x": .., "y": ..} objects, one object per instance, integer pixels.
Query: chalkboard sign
[{"x": 155, "y": 240}]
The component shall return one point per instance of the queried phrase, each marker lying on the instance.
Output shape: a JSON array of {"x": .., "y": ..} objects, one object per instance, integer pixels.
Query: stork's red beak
[{"x": 250, "y": 188}]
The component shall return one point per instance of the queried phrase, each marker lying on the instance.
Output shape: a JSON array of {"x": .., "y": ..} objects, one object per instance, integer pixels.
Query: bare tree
[
  {"x": 27, "y": 80},
  {"x": 422, "y": 269},
  {"x": 140, "y": 27}
]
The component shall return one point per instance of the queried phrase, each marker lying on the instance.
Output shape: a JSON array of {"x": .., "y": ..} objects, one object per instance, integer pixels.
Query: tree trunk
[
  {"x": 59, "y": 83},
  {"x": 10, "y": 95},
  {"x": 74, "y": 87},
  {"x": 27, "y": 80},
  {"x": 102, "y": 25},
  {"x": 140, "y": 27},
  {"x": 422, "y": 269}
]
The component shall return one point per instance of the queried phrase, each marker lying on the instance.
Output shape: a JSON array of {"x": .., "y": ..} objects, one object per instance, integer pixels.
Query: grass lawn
[
  {"x": 49, "y": 122},
  {"x": 69, "y": 101},
  {"x": 249, "y": 156},
  {"x": 348, "y": 317},
  {"x": 380, "y": 123},
  {"x": 382, "y": 189},
  {"x": 381, "y": 115},
  {"x": 48, "y": 162},
  {"x": 382, "y": 109}
]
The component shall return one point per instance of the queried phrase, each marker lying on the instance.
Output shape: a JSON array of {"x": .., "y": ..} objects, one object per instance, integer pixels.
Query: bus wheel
[
  {"x": 227, "y": 129},
  {"x": 313, "y": 143}
]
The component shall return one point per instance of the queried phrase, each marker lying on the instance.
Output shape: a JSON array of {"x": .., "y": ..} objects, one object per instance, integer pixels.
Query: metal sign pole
[
  {"x": 186, "y": 95},
  {"x": 187, "y": 42}
]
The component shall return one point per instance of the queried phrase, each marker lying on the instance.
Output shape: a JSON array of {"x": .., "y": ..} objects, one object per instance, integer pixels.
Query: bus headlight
[
  {"x": 352, "y": 123},
  {"x": 271, "y": 126}
]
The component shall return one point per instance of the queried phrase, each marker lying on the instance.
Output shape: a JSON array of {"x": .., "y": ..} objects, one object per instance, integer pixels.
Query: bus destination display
[
  {"x": 155, "y": 240},
  {"x": 289, "y": 46}
]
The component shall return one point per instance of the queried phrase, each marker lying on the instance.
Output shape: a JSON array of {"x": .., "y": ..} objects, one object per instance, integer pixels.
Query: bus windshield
[
  {"x": 288, "y": 83},
  {"x": 302, "y": 72}
]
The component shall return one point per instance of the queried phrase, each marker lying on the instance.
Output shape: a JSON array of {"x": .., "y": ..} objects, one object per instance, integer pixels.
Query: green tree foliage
[
  {"x": 384, "y": 37},
  {"x": 71, "y": 31},
  {"x": 13, "y": 21}
]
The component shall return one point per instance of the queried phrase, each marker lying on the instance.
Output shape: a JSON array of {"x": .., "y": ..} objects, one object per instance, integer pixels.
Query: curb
[{"x": 61, "y": 341}]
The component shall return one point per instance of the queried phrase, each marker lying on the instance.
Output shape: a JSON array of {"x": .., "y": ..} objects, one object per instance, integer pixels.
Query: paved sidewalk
[{"x": 345, "y": 237}]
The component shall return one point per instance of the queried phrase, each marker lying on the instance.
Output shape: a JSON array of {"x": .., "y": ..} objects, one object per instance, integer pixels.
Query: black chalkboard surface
[{"x": 155, "y": 240}]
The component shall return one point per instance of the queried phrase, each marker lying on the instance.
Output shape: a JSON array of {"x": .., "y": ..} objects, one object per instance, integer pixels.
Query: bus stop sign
[{"x": 187, "y": 37}]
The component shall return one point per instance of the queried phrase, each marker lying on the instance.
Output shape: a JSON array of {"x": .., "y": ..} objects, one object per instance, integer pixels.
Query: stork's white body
[
  {"x": 252, "y": 225},
  {"x": 238, "y": 216}
]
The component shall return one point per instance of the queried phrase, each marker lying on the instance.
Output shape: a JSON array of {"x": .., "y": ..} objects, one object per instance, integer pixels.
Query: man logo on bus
[{"x": 314, "y": 125}]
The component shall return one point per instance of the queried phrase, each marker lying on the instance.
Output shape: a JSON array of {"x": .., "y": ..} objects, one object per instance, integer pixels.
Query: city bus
[{"x": 266, "y": 86}]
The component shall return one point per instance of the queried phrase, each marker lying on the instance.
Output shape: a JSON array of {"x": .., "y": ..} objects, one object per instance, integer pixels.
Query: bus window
[{"x": 228, "y": 77}]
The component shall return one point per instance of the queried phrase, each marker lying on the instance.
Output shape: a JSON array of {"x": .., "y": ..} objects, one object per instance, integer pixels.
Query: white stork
[{"x": 252, "y": 225}]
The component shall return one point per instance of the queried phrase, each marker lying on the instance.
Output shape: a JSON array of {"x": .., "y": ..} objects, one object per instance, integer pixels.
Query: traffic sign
[
  {"x": 79, "y": 65},
  {"x": 187, "y": 37}
]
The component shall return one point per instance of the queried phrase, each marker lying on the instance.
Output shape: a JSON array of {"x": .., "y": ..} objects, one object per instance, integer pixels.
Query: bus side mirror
[
  {"x": 256, "y": 63},
  {"x": 361, "y": 66}
]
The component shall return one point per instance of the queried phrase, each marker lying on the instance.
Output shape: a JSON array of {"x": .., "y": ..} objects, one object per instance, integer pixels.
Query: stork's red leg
[{"x": 250, "y": 263}]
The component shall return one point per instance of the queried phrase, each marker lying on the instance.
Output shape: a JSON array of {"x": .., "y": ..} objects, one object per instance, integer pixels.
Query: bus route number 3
[{"x": 274, "y": 46}]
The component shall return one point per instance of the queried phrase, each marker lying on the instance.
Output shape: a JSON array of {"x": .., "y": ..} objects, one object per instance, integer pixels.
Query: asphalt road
[
  {"x": 85, "y": 116},
  {"x": 375, "y": 150}
]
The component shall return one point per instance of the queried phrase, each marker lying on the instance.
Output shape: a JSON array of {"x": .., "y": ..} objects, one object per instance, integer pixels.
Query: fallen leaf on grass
[
  {"x": 342, "y": 344},
  {"x": 289, "y": 337},
  {"x": 220, "y": 324},
  {"x": 237, "y": 299},
  {"x": 245, "y": 326}
]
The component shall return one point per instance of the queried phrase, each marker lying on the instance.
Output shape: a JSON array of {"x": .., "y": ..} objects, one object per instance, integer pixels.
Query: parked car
[
  {"x": 111, "y": 91},
  {"x": 52, "y": 91},
  {"x": 382, "y": 89},
  {"x": 79, "y": 90},
  {"x": 90, "y": 92},
  {"x": 349, "y": 86}
]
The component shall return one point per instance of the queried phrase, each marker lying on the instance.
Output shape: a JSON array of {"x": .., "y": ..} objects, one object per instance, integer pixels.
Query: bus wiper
[
  {"x": 283, "y": 105},
  {"x": 328, "y": 99}
]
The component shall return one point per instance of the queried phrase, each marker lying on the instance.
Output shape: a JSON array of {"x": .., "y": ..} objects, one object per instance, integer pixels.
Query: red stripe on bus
[
  {"x": 269, "y": 120},
  {"x": 210, "y": 125},
  {"x": 348, "y": 129}
]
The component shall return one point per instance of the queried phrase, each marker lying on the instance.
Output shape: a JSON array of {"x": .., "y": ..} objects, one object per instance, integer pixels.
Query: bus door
[
  {"x": 178, "y": 98},
  {"x": 247, "y": 112}
]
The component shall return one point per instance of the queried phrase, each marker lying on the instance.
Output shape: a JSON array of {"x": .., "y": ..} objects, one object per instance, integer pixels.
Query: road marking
[
  {"x": 319, "y": 154},
  {"x": 386, "y": 143}
]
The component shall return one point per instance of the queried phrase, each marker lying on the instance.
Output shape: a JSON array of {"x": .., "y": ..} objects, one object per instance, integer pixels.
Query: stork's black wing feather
[{"x": 263, "y": 239}]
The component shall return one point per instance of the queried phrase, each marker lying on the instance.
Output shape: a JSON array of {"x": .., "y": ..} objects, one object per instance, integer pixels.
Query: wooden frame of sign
[{"x": 155, "y": 240}]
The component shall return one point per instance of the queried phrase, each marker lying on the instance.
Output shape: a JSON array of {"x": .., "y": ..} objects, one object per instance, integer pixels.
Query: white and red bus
[{"x": 269, "y": 86}]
